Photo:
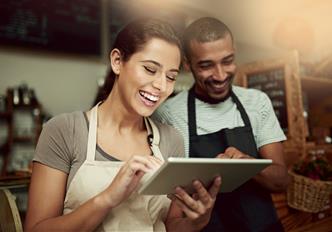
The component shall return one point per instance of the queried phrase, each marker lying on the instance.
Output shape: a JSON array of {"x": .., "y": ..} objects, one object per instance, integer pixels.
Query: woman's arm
[
  {"x": 192, "y": 213},
  {"x": 47, "y": 194}
]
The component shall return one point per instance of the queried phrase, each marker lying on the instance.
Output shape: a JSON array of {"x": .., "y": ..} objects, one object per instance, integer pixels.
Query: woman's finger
[
  {"x": 150, "y": 161},
  {"x": 155, "y": 161}
]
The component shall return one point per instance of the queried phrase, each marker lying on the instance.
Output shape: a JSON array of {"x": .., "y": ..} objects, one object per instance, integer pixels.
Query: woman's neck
[{"x": 112, "y": 114}]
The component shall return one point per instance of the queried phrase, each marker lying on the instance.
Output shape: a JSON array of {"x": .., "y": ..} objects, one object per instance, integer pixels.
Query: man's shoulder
[
  {"x": 179, "y": 97},
  {"x": 176, "y": 102},
  {"x": 166, "y": 131},
  {"x": 172, "y": 109},
  {"x": 242, "y": 92},
  {"x": 250, "y": 96}
]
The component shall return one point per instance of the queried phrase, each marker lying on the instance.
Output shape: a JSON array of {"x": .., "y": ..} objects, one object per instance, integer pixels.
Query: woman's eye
[
  {"x": 150, "y": 70},
  {"x": 171, "y": 78}
]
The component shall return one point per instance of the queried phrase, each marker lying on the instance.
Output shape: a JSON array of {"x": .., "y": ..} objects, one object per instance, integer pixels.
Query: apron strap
[
  {"x": 92, "y": 136},
  {"x": 240, "y": 107},
  {"x": 154, "y": 143},
  {"x": 192, "y": 112}
]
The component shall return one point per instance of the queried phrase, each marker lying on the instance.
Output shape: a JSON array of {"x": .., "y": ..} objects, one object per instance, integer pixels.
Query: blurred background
[
  {"x": 60, "y": 48},
  {"x": 54, "y": 58}
]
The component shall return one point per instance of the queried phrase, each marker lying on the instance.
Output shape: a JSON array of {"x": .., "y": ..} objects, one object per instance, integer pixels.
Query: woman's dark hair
[{"x": 132, "y": 38}]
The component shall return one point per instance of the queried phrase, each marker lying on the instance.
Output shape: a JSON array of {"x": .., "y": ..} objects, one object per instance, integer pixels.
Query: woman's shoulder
[
  {"x": 65, "y": 120},
  {"x": 65, "y": 127}
]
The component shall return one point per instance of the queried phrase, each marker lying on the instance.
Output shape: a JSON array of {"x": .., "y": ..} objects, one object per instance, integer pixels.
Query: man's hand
[
  {"x": 197, "y": 207},
  {"x": 233, "y": 153}
]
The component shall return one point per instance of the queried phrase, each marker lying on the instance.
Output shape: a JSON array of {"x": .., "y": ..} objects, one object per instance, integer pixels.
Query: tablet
[{"x": 182, "y": 171}]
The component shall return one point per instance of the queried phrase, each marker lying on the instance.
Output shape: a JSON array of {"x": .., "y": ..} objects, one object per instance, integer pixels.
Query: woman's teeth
[{"x": 148, "y": 96}]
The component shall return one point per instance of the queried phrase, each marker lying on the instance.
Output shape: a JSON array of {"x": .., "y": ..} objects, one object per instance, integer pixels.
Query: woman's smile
[{"x": 148, "y": 99}]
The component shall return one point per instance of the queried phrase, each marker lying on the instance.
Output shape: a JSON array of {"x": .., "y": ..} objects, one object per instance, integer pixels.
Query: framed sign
[{"x": 279, "y": 79}]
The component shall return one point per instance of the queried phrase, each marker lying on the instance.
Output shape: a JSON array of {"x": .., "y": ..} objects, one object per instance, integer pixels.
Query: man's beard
[{"x": 212, "y": 100}]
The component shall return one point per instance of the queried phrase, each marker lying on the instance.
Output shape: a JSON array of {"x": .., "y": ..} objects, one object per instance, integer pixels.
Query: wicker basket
[{"x": 307, "y": 194}]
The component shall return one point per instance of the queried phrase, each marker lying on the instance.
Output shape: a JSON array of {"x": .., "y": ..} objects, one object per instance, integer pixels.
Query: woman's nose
[{"x": 160, "y": 83}]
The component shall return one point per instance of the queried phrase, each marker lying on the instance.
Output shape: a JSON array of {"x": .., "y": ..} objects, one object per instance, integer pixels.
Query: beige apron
[{"x": 138, "y": 213}]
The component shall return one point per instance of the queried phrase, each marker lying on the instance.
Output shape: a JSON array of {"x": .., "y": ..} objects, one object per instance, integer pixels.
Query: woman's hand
[
  {"x": 128, "y": 178},
  {"x": 197, "y": 207}
]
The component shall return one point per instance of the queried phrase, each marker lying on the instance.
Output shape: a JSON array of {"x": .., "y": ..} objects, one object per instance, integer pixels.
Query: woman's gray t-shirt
[{"x": 63, "y": 143}]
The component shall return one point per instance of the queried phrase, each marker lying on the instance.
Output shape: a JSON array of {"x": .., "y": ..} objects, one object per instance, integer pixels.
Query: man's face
[{"x": 213, "y": 67}]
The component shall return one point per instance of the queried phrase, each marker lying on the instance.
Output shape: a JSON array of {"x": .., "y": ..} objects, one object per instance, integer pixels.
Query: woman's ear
[{"x": 115, "y": 58}]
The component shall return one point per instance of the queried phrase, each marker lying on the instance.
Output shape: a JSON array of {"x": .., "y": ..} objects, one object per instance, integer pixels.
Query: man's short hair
[{"x": 205, "y": 29}]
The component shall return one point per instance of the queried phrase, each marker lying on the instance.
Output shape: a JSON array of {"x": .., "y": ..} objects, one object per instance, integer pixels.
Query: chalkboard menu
[
  {"x": 272, "y": 82},
  {"x": 280, "y": 79},
  {"x": 57, "y": 25}
]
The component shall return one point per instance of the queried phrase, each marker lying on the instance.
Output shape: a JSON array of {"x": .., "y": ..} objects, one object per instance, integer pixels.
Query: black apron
[{"x": 249, "y": 207}]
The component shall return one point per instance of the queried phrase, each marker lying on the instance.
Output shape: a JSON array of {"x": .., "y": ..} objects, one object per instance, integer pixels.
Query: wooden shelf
[
  {"x": 26, "y": 107},
  {"x": 324, "y": 67},
  {"x": 4, "y": 115},
  {"x": 23, "y": 139},
  {"x": 317, "y": 88},
  {"x": 15, "y": 181},
  {"x": 3, "y": 147},
  {"x": 8, "y": 117}
]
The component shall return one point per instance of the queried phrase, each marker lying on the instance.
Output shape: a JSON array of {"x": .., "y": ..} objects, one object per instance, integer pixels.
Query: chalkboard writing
[
  {"x": 58, "y": 25},
  {"x": 272, "y": 82}
]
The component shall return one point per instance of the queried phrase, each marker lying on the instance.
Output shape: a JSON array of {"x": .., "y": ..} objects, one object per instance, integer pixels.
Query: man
[{"x": 218, "y": 119}]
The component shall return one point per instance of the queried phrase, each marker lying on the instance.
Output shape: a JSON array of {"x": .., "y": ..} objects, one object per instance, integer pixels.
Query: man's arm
[{"x": 275, "y": 177}]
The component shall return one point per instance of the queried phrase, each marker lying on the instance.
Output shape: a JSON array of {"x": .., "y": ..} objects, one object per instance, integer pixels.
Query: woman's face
[{"x": 148, "y": 77}]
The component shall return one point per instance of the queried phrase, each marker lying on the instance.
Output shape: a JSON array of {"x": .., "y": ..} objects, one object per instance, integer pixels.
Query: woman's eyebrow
[
  {"x": 151, "y": 61},
  {"x": 174, "y": 70},
  {"x": 159, "y": 65}
]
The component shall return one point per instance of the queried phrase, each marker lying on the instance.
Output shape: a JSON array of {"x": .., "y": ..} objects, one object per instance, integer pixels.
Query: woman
[{"x": 75, "y": 187}]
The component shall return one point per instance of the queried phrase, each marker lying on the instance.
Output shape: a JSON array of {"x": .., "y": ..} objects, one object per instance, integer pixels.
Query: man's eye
[
  {"x": 150, "y": 70},
  {"x": 206, "y": 66},
  {"x": 227, "y": 62}
]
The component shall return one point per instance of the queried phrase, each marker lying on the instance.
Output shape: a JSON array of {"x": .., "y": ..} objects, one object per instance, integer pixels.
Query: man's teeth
[
  {"x": 219, "y": 84},
  {"x": 149, "y": 96}
]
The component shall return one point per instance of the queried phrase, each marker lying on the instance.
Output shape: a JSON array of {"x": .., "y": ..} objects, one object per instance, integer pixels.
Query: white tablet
[{"x": 182, "y": 171}]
